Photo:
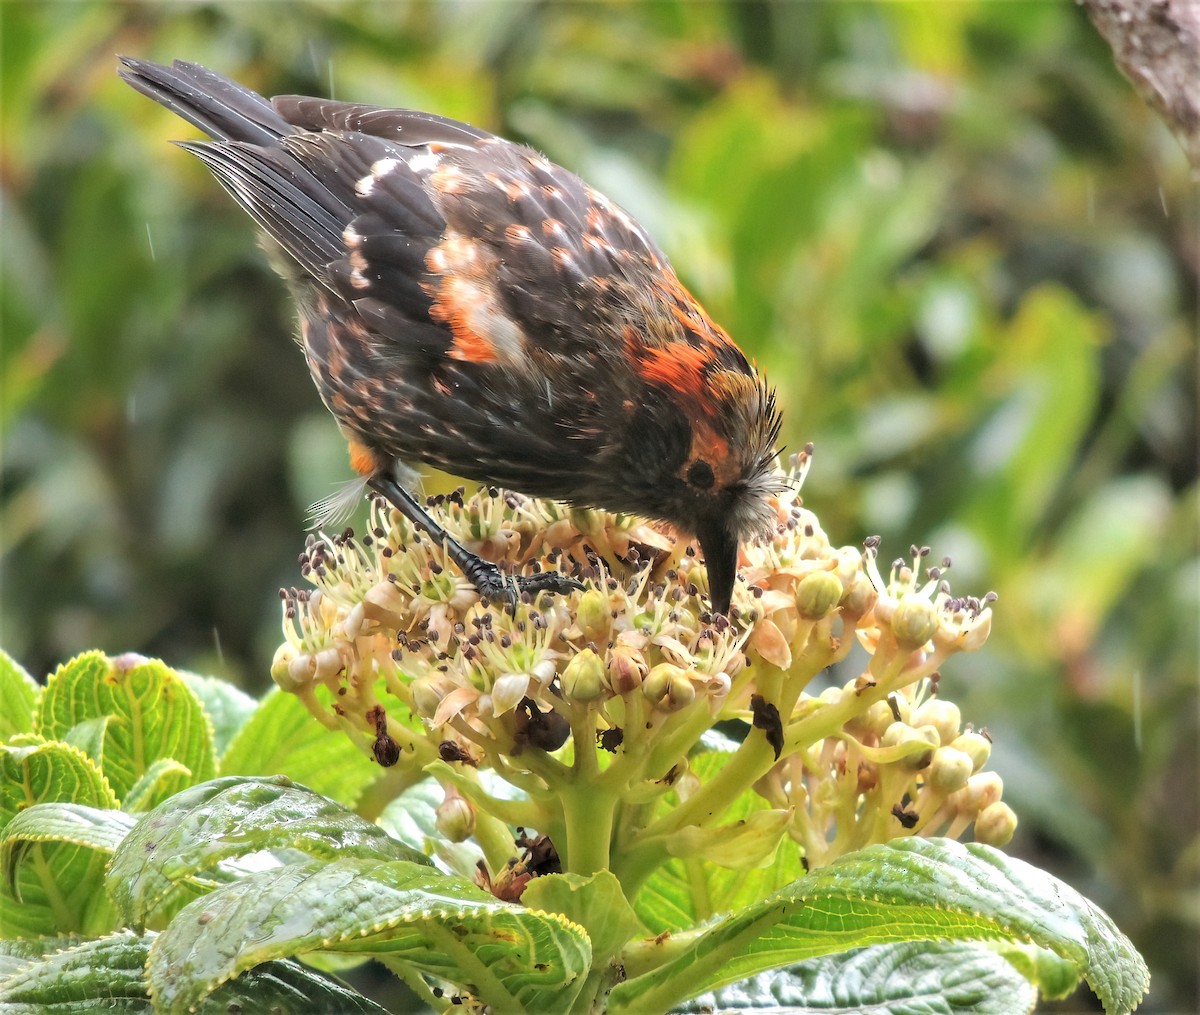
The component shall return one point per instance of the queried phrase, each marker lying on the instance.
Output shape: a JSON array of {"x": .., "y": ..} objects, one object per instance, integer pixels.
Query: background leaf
[
  {"x": 184, "y": 841},
  {"x": 281, "y": 738},
  {"x": 148, "y": 714},
  {"x": 54, "y": 890},
  {"x": 434, "y": 923},
  {"x": 18, "y": 692},
  {"x": 912, "y": 978},
  {"x": 895, "y": 892},
  {"x": 109, "y": 973}
]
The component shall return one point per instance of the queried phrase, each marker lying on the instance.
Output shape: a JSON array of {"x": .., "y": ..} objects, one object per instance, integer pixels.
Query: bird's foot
[{"x": 497, "y": 587}]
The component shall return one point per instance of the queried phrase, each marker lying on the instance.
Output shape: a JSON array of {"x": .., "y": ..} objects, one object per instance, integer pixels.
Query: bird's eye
[{"x": 700, "y": 475}]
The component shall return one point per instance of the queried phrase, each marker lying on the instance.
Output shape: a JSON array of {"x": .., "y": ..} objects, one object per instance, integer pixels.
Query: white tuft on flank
[
  {"x": 350, "y": 237},
  {"x": 425, "y": 162},
  {"x": 332, "y": 512}
]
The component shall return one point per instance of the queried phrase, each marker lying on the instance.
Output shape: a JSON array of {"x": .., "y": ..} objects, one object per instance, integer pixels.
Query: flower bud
[
  {"x": 943, "y": 716},
  {"x": 976, "y": 746},
  {"x": 625, "y": 667},
  {"x": 995, "y": 824},
  {"x": 949, "y": 770},
  {"x": 901, "y": 734},
  {"x": 592, "y": 616},
  {"x": 817, "y": 594},
  {"x": 858, "y": 598},
  {"x": 668, "y": 687},
  {"x": 583, "y": 677},
  {"x": 455, "y": 818},
  {"x": 981, "y": 790},
  {"x": 285, "y": 671},
  {"x": 914, "y": 622}
]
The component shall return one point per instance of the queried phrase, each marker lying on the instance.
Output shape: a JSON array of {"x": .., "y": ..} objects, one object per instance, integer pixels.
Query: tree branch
[{"x": 1156, "y": 44}]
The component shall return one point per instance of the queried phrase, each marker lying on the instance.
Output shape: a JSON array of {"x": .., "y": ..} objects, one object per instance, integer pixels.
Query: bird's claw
[{"x": 496, "y": 586}]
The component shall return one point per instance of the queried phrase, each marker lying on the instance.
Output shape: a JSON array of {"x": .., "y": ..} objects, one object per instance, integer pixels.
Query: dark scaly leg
[{"x": 491, "y": 582}]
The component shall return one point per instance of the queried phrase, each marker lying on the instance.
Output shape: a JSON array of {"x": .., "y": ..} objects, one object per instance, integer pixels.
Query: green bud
[
  {"x": 901, "y": 734},
  {"x": 981, "y": 790},
  {"x": 943, "y": 716},
  {"x": 455, "y": 818},
  {"x": 592, "y": 616},
  {"x": 668, "y": 687},
  {"x": 878, "y": 718},
  {"x": 995, "y": 824},
  {"x": 914, "y": 622},
  {"x": 290, "y": 670},
  {"x": 583, "y": 677},
  {"x": 817, "y": 594},
  {"x": 949, "y": 770},
  {"x": 976, "y": 746}
]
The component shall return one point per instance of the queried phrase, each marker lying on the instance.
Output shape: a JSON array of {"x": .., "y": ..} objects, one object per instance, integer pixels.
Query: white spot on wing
[
  {"x": 379, "y": 169},
  {"x": 425, "y": 162}
]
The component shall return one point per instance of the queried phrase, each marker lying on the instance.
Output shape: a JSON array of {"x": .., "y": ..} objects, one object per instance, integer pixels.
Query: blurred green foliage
[{"x": 961, "y": 247}]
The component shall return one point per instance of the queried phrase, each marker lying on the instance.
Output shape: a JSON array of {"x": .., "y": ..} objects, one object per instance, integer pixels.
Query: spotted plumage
[{"x": 468, "y": 304}]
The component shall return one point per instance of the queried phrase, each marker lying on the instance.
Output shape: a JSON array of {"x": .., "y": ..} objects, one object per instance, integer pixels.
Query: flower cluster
[{"x": 590, "y": 705}]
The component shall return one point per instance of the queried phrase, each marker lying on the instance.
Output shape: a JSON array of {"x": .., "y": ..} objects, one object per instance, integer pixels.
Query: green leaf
[
  {"x": 909, "y": 978},
  {"x": 282, "y": 738},
  {"x": 157, "y": 783},
  {"x": 18, "y": 693},
  {"x": 150, "y": 714},
  {"x": 444, "y": 926},
  {"x": 184, "y": 841},
  {"x": 108, "y": 974},
  {"x": 905, "y": 890},
  {"x": 597, "y": 903},
  {"x": 88, "y": 736},
  {"x": 227, "y": 707},
  {"x": 38, "y": 902},
  {"x": 91, "y": 827},
  {"x": 16, "y": 953},
  {"x": 685, "y": 892}
]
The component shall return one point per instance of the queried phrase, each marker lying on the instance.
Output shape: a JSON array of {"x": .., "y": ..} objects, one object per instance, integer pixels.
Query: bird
[{"x": 465, "y": 303}]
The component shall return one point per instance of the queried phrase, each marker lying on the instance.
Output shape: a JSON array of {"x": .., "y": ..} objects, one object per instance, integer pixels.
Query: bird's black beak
[{"x": 720, "y": 558}]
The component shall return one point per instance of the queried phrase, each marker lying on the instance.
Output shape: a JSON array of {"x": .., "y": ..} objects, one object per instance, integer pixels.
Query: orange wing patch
[{"x": 465, "y": 301}]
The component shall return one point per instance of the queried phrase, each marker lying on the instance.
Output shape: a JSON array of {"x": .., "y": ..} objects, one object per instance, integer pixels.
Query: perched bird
[{"x": 466, "y": 303}]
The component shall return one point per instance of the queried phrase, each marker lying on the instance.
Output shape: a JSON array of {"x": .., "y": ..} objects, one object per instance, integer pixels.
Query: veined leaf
[
  {"x": 226, "y": 706},
  {"x": 57, "y": 888},
  {"x": 282, "y": 738},
  {"x": 515, "y": 960},
  {"x": 596, "y": 903},
  {"x": 184, "y": 841},
  {"x": 909, "y": 889},
  {"x": 688, "y": 891},
  {"x": 108, "y": 973},
  {"x": 90, "y": 827},
  {"x": 18, "y": 693},
  {"x": 150, "y": 714},
  {"x": 908, "y": 978}
]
